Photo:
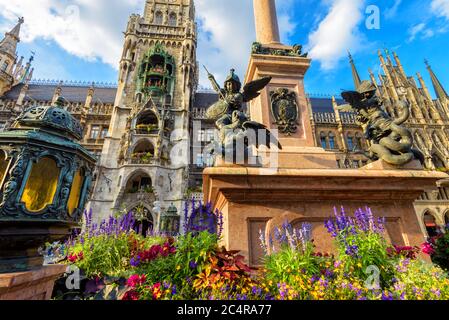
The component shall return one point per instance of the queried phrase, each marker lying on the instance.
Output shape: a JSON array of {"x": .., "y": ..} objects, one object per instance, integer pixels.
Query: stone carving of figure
[
  {"x": 231, "y": 121},
  {"x": 389, "y": 140},
  {"x": 65, "y": 190},
  {"x": 10, "y": 188}
]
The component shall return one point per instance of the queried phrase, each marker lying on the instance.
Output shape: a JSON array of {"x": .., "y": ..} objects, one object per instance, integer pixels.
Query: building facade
[
  {"x": 144, "y": 161},
  {"x": 148, "y": 131}
]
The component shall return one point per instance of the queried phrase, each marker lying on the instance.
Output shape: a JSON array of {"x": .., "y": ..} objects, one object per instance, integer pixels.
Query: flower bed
[{"x": 119, "y": 264}]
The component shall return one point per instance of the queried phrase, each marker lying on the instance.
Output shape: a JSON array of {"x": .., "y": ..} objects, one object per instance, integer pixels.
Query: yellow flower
[
  {"x": 178, "y": 268},
  {"x": 359, "y": 265}
]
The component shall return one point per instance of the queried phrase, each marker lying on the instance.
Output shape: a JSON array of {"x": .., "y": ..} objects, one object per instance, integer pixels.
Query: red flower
[
  {"x": 136, "y": 280},
  {"x": 131, "y": 295},
  {"x": 157, "y": 293},
  {"x": 427, "y": 248}
]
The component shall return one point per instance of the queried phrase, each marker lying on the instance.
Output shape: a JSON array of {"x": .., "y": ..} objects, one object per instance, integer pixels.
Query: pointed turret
[
  {"x": 399, "y": 64},
  {"x": 389, "y": 85},
  {"x": 438, "y": 87},
  {"x": 8, "y": 56},
  {"x": 9, "y": 43},
  {"x": 355, "y": 73},
  {"x": 424, "y": 87}
]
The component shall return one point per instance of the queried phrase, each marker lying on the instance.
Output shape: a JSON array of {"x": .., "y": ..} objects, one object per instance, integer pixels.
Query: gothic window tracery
[
  {"x": 172, "y": 19},
  {"x": 158, "y": 18},
  {"x": 332, "y": 142}
]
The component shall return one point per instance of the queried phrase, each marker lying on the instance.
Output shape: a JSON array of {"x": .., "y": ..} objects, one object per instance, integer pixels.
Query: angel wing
[
  {"x": 353, "y": 98},
  {"x": 269, "y": 138},
  {"x": 251, "y": 89}
]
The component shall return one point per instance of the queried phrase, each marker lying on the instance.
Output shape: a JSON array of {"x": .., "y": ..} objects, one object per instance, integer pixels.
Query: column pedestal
[{"x": 253, "y": 199}]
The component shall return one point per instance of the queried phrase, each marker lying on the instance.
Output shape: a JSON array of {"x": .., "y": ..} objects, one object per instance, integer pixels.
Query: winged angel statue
[
  {"x": 235, "y": 129},
  {"x": 389, "y": 140}
]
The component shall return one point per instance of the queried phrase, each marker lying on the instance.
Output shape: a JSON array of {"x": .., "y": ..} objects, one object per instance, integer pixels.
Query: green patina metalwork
[
  {"x": 235, "y": 127},
  {"x": 170, "y": 220},
  {"x": 295, "y": 51},
  {"x": 38, "y": 135},
  {"x": 389, "y": 140},
  {"x": 44, "y": 132},
  {"x": 156, "y": 73}
]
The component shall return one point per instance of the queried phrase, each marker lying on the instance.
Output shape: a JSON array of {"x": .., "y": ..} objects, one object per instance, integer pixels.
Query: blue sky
[{"x": 81, "y": 40}]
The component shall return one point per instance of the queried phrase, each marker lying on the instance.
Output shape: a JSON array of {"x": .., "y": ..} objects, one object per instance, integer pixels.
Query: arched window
[
  {"x": 332, "y": 144},
  {"x": 172, "y": 20},
  {"x": 140, "y": 182},
  {"x": 5, "y": 66},
  {"x": 143, "y": 152},
  {"x": 323, "y": 140},
  {"x": 147, "y": 123},
  {"x": 41, "y": 185},
  {"x": 358, "y": 141},
  {"x": 144, "y": 223},
  {"x": 430, "y": 224},
  {"x": 350, "y": 140},
  {"x": 158, "y": 18}
]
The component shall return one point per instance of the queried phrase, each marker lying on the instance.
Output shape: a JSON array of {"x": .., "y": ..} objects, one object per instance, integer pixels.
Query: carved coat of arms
[{"x": 285, "y": 110}]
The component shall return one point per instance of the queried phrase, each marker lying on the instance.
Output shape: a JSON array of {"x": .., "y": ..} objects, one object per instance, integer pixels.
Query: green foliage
[
  {"x": 125, "y": 265},
  {"x": 192, "y": 254},
  {"x": 372, "y": 251},
  {"x": 108, "y": 254},
  {"x": 419, "y": 280},
  {"x": 286, "y": 264},
  {"x": 441, "y": 251}
]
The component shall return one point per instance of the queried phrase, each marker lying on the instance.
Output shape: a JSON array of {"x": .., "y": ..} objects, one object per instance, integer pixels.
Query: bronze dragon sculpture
[{"x": 389, "y": 140}]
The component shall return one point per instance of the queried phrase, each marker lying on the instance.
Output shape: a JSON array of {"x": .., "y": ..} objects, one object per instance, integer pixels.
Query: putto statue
[
  {"x": 388, "y": 139},
  {"x": 235, "y": 129}
]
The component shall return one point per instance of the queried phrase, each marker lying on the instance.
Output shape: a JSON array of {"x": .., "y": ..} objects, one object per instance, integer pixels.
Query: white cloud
[
  {"x": 420, "y": 29},
  {"x": 92, "y": 29},
  {"x": 440, "y": 8},
  {"x": 337, "y": 33},
  {"x": 227, "y": 32},
  {"x": 88, "y": 29}
]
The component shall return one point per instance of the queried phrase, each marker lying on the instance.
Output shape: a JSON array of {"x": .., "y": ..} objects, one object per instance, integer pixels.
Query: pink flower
[
  {"x": 427, "y": 248},
  {"x": 136, "y": 280}
]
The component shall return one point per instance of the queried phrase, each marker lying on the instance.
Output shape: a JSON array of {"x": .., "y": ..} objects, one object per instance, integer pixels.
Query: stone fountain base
[
  {"x": 30, "y": 285},
  {"x": 253, "y": 199}
]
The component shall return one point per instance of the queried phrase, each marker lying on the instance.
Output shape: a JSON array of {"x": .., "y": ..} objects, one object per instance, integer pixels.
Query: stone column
[{"x": 267, "y": 30}]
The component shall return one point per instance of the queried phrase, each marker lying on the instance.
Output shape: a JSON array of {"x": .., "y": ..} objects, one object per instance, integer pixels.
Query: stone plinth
[
  {"x": 31, "y": 285},
  {"x": 253, "y": 199},
  {"x": 299, "y": 150}
]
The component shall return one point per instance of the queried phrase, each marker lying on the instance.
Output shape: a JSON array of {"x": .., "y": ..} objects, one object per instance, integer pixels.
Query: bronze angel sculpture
[
  {"x": 235, "y": 129},
  {"x": 389, "y": 140}
]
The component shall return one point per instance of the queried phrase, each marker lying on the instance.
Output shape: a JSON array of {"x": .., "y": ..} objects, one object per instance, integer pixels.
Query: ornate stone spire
[
  {"x": 9, "y": 42},
  {"x": 267, "y": 29},
  {"x": 438, "y": 87},
  {"x": 355, "y": 73}
]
